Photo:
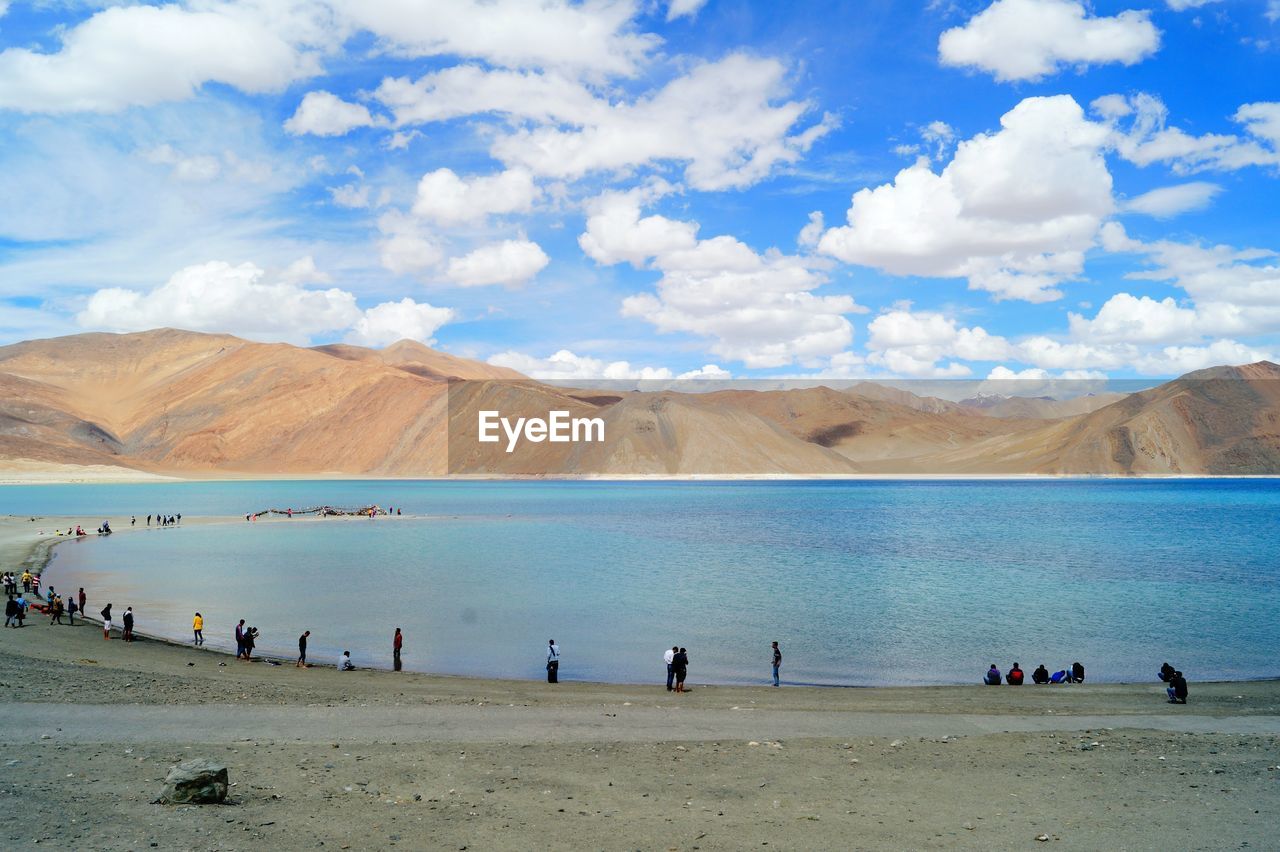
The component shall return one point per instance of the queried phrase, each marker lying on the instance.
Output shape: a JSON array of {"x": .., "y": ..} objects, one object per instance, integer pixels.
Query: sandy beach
[{"x": 372, "y": 759}]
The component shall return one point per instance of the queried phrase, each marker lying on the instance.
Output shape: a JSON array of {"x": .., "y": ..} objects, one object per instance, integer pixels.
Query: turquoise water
[{"x": 862, "y": 583}]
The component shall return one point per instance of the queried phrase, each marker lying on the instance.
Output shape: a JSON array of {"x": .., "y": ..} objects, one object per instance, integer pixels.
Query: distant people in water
[
  {"x": 1014, "y": 676},
  {"x": 553, "y": 661},
  {"x": 1177, "y": 690},
  {"x": 345, "y": 664},
  {"x": 1166, "y": 672},
  {"x": 302, "y": 649},
  {"x": 681, "y": 664},
  {"x": 993, "y": 676},
  {"x": 197, "y": 629}
]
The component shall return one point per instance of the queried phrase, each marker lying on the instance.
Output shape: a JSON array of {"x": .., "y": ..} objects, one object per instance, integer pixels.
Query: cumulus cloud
[
  {"x": 1176, "y": 360},
  {"x": 911, "y": 343},
  {"x": 388, "y": 322},
  {"x": 565, "y": 365},
  {"x": 1233, "y": 292},
  {"x": 684, "y": 8},
  {"x": 405, "y": 248},
  {"x": 1183, "y": 5},
  {"x": 1013, "y": 212},
  {"x": 509, "y": 262},
  {"x": 706, "y": 372},
  {"x": 140, "y": 55},
  {"x": 1169, "y": 201},
  {"x": 218, "y": 296},
  {"x": 590, "y": 38},
  {"x": 322, "y": 113},
  {"x": 757, "y": 308},
  {"x": 1143, "y": 137},
  {"x": 1030, "y": 39},
  {"x": 446, "y": 199},
  {"x": 729, "y": 122}
]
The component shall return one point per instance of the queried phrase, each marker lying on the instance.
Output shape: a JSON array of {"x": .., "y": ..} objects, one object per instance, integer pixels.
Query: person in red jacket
[
  {"x": 1014, "y": 677},
  {"x": 396, "y": 644}
]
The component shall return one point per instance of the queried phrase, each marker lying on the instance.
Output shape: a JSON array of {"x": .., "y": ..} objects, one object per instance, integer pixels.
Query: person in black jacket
[
  {"x": 1040, "y": 675},
  {"x": 1166, "y": 672},
  {"x": 681, "y": 664},
  {"x": 1077, "y": 673},
  {"x": 1177, "y": 689}
]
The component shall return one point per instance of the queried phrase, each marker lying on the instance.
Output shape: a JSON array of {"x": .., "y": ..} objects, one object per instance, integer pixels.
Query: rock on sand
[{"x": 198, "y": 781}]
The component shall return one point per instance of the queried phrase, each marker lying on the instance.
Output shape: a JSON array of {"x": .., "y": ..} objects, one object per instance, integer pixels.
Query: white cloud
[
  {"x": 217, "y": 296},
  {"x": 405, "y": 248},
  {"x": 141, "y": 55},
  {"x": 707, "y": 371},
  {"x": 1013, "y": 212},
  {"x": 1030, "y": 39},
  {"x": 350, "y": 195},
  {"x": 509, "y": 262},
  {"x": 1169, "y": 201},
  {"x": 1183, "y": 5},
  {"x": 389, "y": 322},
  {"x": 322, "y": 113},
  {"x": 565, "y": 365},
  {"x": 446, "y": 199},
  {"x": 811, "y": 234},
  {"x": 1056, "y": 355},
  {"x": 1128, "y": 319},
  {"x": 758, "y": 308},
  {"x": 684, "y": 8},
  {"x": 1148, "y": 139},
  {"x": 592, "y": 37},
  {"x": 1176, "y": 360},
  {"x": 729, "y": 122},
  {"x": 912, "y": 343}
]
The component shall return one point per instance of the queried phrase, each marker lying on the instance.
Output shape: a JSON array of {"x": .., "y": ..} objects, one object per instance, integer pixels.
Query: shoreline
[{"x": 41, "y": 553}]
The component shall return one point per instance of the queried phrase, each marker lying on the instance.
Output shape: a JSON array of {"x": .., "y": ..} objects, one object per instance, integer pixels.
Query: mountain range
[{"x": 191, "y": 404}]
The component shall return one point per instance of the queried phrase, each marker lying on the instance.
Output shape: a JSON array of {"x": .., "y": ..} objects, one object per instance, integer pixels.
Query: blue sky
[{"x": 1032, "y": 188}]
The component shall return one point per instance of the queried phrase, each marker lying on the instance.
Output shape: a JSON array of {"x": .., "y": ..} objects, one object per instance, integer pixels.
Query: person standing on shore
[
  {"x": 22, "y": 610},
  {"x": 668, "y": 656},
  {"x": 128, "y": 624},
  {"x": 681, "y": 663},
  {"x": 302, "y": 649},
  {"x": 106, "y": 622},
  {"x": 10, "y": 612},
  {"x": 240, "y": 639},
  {"x": 777, "y": 663},
  {"x": 26, "y": 581},
  {"x": 553, "y": 661},
  {"x": 71, "y": 610},
  {"x": 397, "y": 642},
  {"x": 82, "y": 597},
  {"x": 250, "y": 639},
  {"x": 56, "y": 606}
]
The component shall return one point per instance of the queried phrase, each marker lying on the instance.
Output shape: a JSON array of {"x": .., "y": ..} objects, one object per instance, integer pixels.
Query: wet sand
[{"x": 371, "y": 758}]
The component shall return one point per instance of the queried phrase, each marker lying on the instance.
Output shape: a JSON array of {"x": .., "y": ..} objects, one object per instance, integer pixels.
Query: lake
[{"x": 861, "y": 582}]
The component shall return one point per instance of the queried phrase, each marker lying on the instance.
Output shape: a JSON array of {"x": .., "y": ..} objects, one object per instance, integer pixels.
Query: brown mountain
[{"x": 204, "y": 404}]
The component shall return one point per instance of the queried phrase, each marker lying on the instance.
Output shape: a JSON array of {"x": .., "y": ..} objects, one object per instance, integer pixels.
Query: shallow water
[{"x": 862, "y": 583}]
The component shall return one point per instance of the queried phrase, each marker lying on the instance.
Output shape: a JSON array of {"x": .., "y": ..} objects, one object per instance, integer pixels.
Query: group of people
[
  {"x": 1177, "y": 689},
  {"x": 126, "y": 622},
  {"x": 11, "y": 580},
  {"x": 246, "y": 639},
  {"x": 161, "y": 520},
  {"x": 1014, "y": 677},
  {"x": 17, "y": 605}
]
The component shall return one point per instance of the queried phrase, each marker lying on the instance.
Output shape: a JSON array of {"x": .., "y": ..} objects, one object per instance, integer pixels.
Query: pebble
[{"x": 1042, "y": 837}]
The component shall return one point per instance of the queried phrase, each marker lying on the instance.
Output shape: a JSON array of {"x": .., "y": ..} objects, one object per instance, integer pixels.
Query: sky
[{"x": 1035, "y": 189}]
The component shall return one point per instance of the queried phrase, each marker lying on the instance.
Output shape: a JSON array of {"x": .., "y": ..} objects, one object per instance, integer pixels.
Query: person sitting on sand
[
  {"x": 681, "y": 665},
  {"x": 1077, "y": 673},
  {"x": 1166, "y": 671},
  {"x": 1177, "y": 690},
  {"x": 1040, "y": 675},
  {"x": 1014, "y": 677},
  {"x": 993, "y": 676},
  {"x": 1060, "y": 676},
  {"x": 106, "y": 621},
  {"x": 345, "y": 664}
]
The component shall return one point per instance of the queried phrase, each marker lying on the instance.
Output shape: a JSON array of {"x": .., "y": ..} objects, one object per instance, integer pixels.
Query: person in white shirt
[
  {"x": 553, "y": 661},
  {"x": 345, "y": 665},
  {"x": 669, "y": 656}
]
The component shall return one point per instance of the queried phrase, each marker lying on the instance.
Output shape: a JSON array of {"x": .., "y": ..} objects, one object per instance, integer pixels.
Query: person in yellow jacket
[
  {"x": 197, "y": 627},
  {"x": 26, "y": 581}
]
